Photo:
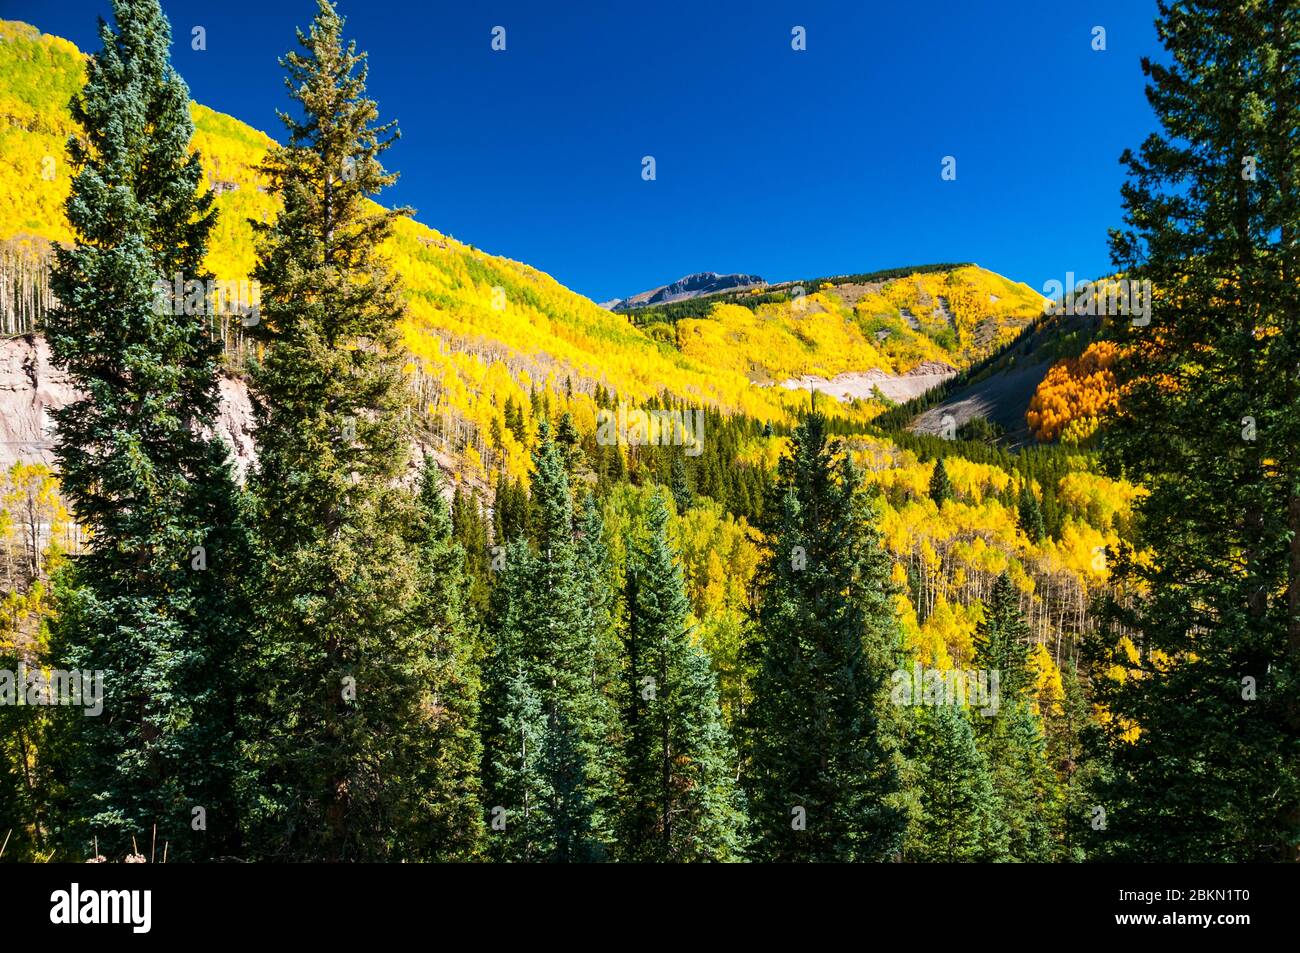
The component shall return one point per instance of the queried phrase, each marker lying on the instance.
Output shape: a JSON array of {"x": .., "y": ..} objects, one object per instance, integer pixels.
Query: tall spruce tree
[
  {"x": 958, "y": 818},
  {"x": 681, "y": 486},
  {"x": 1003, "y": 640},
  {"x": 597, "y": 610},
  {"x": 821, "y": 769},
  {"x": 1068, "y": 726},
  {"x": 470, "y": 529},
  {"x": 517, "y": 790},
  {"x": 679, "y": 797},
  {"x": 546, "y": 729},
  {"x": 1205, "y": 733},
  {"x": 1030, "y": 515},
  {"x": 147, "y": 602},
  {"x": 341, "y": 737},
  {"x": 1030, "y": 796},
  {"x": 1027, "y": 794},
  {"x": 510, "y": 516},
  {"x": 449, "y": 823},
  {"x": 940, "y": 484},
  {"x": 1010, "y": 734}
]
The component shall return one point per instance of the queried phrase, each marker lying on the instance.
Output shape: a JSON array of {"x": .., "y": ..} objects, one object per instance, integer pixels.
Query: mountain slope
[
  {"x": 890, "y": 321},
  {"x": 485, "y": 332},
  {"x": 1001, "y": 388},
  {"x": 482, "y": 328}
]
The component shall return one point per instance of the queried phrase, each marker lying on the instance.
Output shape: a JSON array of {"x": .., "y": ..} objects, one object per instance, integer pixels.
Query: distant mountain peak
[{"x": 691, "y": 286}]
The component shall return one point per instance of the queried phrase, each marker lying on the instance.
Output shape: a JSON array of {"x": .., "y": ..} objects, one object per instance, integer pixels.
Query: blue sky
[{"x": 769, "y": 161}]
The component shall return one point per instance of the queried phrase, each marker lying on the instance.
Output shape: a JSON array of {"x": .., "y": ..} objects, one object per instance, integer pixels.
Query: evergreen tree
[
  {"x": 821, "y": 770},
  {"x": 958, "y": 817},
  {"x": 469, "y": 528},
  {"x": 940, "y": 485},
  {"x": 449, "y": 822},
  {"x": 1002, "y": 640},
  {"x": 570, "y": 441},
  {"x": 680, "y": 802},
  {"x": 680, "y": 485},
  {"x": 1028, "y": 795},
  {"x": 1205, "y": 727},
  {"x": 513, "y": 769},
  {"x": 25, "y": 784},
  {"x": 1009, "y": 734},
  {"x": 148, "y": 601},
  {"x": 344, "y": 724},
  {"x": 597, "y": 611},
  {"x": 514, "y": 418},
  {"x": 1053, "y": 518},
  {"x": 615, "y": 464},
  {"x": 1030, "y": 515},
  {"x": 1070, "y": 732},
  {"x": 544, "y": 653},
  {"x": 510, "y": 516}
]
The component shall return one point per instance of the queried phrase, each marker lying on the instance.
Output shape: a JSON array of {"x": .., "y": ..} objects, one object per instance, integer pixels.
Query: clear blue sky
[{"x": 774, "y": 162}]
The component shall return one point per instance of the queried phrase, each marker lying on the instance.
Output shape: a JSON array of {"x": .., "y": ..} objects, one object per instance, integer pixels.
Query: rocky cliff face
[
  {"x": 861, "y": 385},
  {"x": 692, "y": 286},
  {"x": 30, "y": 387}
]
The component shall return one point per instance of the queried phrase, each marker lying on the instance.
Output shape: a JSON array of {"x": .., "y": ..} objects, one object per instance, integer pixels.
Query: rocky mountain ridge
[{"x": 698, "y": 285}]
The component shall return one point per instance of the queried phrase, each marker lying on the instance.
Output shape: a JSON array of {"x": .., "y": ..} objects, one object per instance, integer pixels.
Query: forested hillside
[
  {"x": 481, "y": 329},
  {"x": 516, "y": 578},
  {"x": 891, "y": 320},
  {"x": 484, "y": 330}
]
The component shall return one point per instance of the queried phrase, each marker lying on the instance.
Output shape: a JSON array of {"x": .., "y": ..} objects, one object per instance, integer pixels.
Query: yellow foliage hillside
[
  {"x": 482, "y": 329},
  {"x": 1074, "y": 395},
  {"x": 955, "y": 316},
  {"x": 954, "y": 553}
]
